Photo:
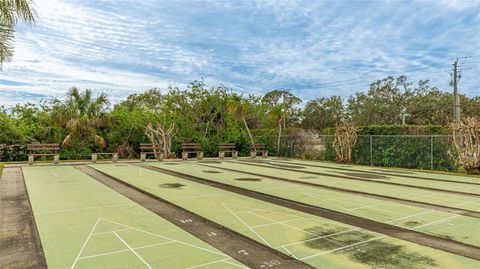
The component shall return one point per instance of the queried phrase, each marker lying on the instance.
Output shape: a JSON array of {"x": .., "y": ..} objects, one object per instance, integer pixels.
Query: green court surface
[
  {"x": 84, "y": 224},
  {"x": 386, "y": 170},
  {"x": 457, "y": 227},
  {"x": 442, "y": 185},
  {"x": 320, "y": 242},
  {"x": 420, "y": 195}
]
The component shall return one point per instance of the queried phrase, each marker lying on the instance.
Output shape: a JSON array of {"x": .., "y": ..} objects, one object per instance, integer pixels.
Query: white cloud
[{"x": 127, "y": 46}]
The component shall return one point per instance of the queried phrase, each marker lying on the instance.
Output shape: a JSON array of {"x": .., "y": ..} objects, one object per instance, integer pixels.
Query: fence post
[
  {"x": 431, "y": 152},
  {"x": 371, "y": 150}
]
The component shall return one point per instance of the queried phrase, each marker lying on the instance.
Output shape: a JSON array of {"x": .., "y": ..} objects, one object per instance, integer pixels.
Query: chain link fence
[{"x": 433, "y": 152}]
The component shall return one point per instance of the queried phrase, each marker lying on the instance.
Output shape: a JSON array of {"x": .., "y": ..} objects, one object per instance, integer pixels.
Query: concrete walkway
[{"x": 20, "y": 245}]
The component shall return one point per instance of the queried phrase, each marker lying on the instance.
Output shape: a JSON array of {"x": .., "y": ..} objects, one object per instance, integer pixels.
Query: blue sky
[{"x": 316, "y": 48}]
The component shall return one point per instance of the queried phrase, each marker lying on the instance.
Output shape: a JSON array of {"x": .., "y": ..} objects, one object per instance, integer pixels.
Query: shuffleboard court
[
  {"x": 401, "y": 172},
  {"x": 84, "y": 224},
  {"x": 452, "y": 226},
  {"x": 320, "y": 242},
  {"x": 376, "y": 177},
  {"x": 420, "y": 195}
]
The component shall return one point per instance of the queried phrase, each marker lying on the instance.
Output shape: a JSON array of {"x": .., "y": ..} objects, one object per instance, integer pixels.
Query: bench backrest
[
  {"x": 258, "y": 146},
  {"x": 226, "y": 146},
  {"x": 53, "y": 148},
  {"x": 149, "y": 146},
  {"x": 191, "y": 146}
]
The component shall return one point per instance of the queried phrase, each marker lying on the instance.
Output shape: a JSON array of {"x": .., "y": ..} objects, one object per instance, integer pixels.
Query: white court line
[
  {"x": 319, "y": 237},
  {"x": 341, "y": 248},
  {"x": 134, "y": 252},
  {"x": 329, "y": 201},
  {"x": 121, "y": 230},
  {"x": 198, "y": 196},
  {"x": 250, "y": 228},
  {"x": 278, "y": 188},
  {"x": 273, "y": 223},
  {"x": 365, "y": 206},
  {"x": 288, "y": 251},
  {"x": 80, "y": 208},
  {"x": 165, "y": 237},
  {"x": 409, "y": 216},
  {"x": 124, "y": 250},
  {"x": 205, "y": 264},
  {"x": 295, "y": 228},
  {"x": 85, "y": 243},
  {"x": 53, "y": 172},
  {"x": 234, "y": 264},
  {"x": 58, "y": 184},
  {"x": 435, "y": 222}
]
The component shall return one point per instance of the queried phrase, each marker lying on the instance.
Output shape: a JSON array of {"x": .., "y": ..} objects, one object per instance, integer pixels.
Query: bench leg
[
  {"x": 265, "y": 154},
  {"x": 94, "y": 158},
  {"x": 160, "y": 156},
  {"x": 184, "y": 156},
  {"x": 235, "y": 154},
  {"x": 56, "y": 159},
  {"x": 115, "y": 157},
  {"x": 221, "y": 155},
  {"x": 143, "y": 156},
  {"x": 253, "y": 154},
  {"x": 199, "y": 155},
  {"x": 30, "y": 160}
]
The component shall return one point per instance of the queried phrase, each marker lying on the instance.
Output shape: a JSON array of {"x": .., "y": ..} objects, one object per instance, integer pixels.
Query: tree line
[{"x": 83, "y": 122}]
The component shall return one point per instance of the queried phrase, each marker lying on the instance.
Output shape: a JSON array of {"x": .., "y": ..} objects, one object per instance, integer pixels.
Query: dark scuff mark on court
[
  {"x": 375, "y": 253},
  {"x": 212, "y": 171},
  {"x": 171, "y": 185}
]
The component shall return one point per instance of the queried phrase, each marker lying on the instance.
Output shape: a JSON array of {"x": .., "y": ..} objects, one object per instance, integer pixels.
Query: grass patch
[
  {"x": 171, "y": 185},
  {"x": 377, "y": 254},
  {"x": 1, "y": 169}
]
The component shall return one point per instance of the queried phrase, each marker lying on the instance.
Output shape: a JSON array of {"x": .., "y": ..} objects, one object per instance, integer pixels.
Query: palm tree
[
  {"x": 12, "y": 11},
  {"x": 238, "y": 106},
  {"x": 81, "y": 115},
  {"x": 277, "y": 114}
]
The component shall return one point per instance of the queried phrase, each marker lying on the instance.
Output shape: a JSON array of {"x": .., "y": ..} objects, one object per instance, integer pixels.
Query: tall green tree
[
  {"x": 322, "y": 113},
  {"x": 11, "y": 12},
  {"x": 81, "y": 114},
  {"x": 238, "y": 106},
  {"x": 277, "y": 114}
]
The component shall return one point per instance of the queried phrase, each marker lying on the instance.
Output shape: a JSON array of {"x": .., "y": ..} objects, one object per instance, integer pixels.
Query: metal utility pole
[{"x": 456, "y": 99}]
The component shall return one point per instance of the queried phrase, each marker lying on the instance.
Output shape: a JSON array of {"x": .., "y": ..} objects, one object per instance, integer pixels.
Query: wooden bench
[
  {"x": 43, "y": 150},
  {"x": 192, "y": 148},
  {"x": 227, "y": 147},
  {"x": 258, "y": 148},
  {"x": 155, "y": 149},
  {"x": 95, "y": 156}
]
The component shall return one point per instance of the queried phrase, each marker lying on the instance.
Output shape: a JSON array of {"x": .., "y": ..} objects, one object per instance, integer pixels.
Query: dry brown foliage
[
  {"x": 345, "y": 140},
  {"x": 466, "y": 142}
]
